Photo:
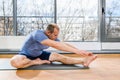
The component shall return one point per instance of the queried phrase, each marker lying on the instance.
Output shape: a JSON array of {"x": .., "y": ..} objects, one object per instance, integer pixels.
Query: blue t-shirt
[{"x": 32, "y": 45}]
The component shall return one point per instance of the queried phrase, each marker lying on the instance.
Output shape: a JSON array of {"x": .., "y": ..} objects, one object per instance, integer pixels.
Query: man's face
[{"x": 53, "y": 35}]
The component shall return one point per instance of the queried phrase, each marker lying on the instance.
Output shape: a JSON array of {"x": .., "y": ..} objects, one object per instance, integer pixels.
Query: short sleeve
[{"x": 39, "y": 36}]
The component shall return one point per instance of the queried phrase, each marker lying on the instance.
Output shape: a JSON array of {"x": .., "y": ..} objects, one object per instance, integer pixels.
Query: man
[{"x": 32, "y": 51}]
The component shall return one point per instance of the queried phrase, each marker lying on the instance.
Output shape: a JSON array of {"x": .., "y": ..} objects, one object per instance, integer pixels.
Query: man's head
[{"x": 52, "y": 31}]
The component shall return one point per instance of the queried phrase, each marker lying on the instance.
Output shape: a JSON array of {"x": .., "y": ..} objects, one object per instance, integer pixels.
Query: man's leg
[
  {"x": 69, "y": 60},
  {"x": 21, "y": 61}
]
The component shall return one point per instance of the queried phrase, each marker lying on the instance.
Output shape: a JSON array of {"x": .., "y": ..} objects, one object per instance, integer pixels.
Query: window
[
  {"x": 34, "y": 14},
  {"x": 6, "y": 17},
  {"x": 78, "y": 21},
  {"x": 110, "y": 29},
  {"x": 112, "y": 16}
]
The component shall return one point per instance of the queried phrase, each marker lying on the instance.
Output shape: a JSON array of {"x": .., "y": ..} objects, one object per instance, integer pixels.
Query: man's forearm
[
  {"x": 70, "y": 45},
  {"x": 65, "y": 47}
]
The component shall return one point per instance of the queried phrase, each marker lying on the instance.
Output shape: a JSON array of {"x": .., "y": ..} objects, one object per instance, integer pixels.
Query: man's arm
[
  {"x": 82, "y": 51},
  {"x": 64, "y": 47},
  {"x": 70, "y": 45}
]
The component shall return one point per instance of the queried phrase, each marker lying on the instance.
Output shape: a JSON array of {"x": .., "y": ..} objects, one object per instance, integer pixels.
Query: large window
[
  {"x": 78, "y": 21},
  {"x": 6, "y": 19}
]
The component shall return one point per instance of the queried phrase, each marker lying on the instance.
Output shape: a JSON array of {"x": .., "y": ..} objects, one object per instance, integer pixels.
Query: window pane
[
  {"x": 112, "y": 19},
  {"x": 34, "y": 14},
  {"x": 6, "y": 19},
  {"x": 78, "y": 21}
]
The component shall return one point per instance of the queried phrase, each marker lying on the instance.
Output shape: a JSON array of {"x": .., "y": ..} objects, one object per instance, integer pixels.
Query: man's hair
[{"x": 51, "y": 27}]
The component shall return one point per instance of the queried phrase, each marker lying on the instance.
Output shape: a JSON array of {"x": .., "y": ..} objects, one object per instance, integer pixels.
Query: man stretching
[{"x": 32, "y": 51}]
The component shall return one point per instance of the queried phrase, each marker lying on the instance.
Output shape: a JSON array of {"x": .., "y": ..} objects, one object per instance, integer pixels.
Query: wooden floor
[{"x": 106, "y": 67}]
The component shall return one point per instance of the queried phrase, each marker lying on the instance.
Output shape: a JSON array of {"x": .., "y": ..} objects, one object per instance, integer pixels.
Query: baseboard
[{"x": 63, "y": 52}]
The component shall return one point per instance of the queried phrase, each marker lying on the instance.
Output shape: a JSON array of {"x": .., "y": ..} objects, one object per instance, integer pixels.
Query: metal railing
[{"x": 73, "y": 28}]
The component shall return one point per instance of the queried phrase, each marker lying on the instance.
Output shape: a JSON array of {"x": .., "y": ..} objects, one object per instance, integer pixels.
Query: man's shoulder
[{"x": 38, "y": 31}]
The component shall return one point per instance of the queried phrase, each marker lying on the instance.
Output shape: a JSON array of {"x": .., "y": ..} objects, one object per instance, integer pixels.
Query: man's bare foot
[
  {"x": 89, "y": 59},
  {"x": 39, "y": 61}
]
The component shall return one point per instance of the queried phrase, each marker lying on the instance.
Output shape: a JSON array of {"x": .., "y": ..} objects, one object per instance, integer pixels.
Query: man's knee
[
  {"x": 53, "y": 56},
  {"x": 15, "y": 62},
  {"x": 57, "y": 57}
]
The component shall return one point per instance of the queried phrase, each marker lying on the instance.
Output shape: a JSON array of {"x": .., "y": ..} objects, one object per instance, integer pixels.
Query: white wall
[
  {"x": 111, "y": 45},
  {"x": 15, "y": 42},
  {"x": 11, "y": 42}
]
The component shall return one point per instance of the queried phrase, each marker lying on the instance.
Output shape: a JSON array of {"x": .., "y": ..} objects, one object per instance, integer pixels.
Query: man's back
[{"x": 32, "y": 45}]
